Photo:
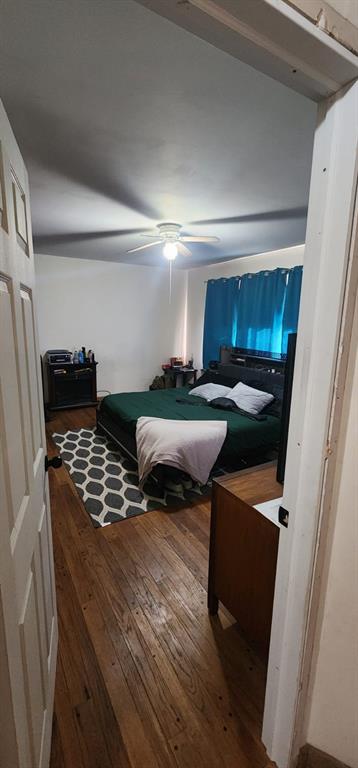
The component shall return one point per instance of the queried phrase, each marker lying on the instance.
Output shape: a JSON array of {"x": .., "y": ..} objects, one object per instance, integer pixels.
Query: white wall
[
  {"x": 333, "y": 716},
  {"x": 197, "y": 278},
  {"x": 120, "y": 311}
]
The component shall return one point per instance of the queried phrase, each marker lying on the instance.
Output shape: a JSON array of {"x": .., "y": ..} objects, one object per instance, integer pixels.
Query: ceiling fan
[{"x": 168, "y": 235}]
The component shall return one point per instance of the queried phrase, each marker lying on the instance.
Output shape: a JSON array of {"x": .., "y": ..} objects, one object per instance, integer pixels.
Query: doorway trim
[
  {"x": 269, "y": 35},
  {"x": 324, "y": 332},
  {"x": 279, "y": 41}
]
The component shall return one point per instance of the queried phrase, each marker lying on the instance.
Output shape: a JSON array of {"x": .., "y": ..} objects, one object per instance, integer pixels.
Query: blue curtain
[
  {"x": 292, "y": 304},
  {"x": 260, "y": 309},
  {"x": 220, "y": 318},
  {"x": 255, "y": 311}
]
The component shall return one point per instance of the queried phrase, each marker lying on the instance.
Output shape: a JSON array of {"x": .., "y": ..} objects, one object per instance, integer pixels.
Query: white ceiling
[{"x": 126, "y": 120}]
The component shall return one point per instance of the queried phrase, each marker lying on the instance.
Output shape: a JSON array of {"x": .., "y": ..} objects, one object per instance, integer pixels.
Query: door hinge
[{"x": 283, "y": 515}]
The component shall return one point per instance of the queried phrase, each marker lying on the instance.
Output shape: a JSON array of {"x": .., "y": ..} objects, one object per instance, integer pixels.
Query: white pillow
[
  {"x": 210, "y": 391},
  {"x": 249, "y": 399}
]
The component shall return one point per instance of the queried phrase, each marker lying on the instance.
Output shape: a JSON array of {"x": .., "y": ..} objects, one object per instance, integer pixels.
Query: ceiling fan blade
[
  {"x": 141, "y": 247},
  {"x": 280, "y": 215},
  {"x": 149, "y": 234},
  {"x": 199, "y": 239},
  {"x": 183, "y": 249},
  {"x": 67, "y": 238}
]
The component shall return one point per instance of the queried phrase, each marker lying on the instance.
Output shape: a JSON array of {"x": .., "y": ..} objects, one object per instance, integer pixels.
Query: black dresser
[{"x": 71, "y": 385}]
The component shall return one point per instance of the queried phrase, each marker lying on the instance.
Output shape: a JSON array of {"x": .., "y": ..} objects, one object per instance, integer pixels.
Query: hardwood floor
[{"x": 145, "y": 678}]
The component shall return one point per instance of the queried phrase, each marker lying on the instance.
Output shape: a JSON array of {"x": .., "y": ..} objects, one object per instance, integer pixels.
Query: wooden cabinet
[
  {"x": 243, "y": 551},
  {"x": 71, "y": 385}
]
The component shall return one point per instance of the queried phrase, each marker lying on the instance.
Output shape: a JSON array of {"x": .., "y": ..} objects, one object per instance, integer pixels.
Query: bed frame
[
  {"x": 127, "y": 445},
  {"x": 113, "y": 430}
]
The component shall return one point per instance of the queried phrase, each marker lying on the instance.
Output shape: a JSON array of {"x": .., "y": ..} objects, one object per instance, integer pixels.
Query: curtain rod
[{"x": 238, "y": 277}]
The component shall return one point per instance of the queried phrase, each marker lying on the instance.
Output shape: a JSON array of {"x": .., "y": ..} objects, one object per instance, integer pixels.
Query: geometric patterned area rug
[{"x": 108, "y": 482}]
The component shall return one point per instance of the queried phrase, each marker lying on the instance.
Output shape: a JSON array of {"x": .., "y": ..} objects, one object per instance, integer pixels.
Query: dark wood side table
[
  {"x": 186, "y": 374},
  {"x": 243, "y": 551}
]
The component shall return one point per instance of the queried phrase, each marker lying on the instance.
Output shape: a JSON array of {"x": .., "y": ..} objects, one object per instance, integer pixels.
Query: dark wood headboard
[{"x": 245, "y": 374}]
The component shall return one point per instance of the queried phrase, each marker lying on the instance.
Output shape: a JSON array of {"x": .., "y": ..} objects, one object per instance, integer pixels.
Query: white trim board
[
  {"x": 269, "y": 35},
  {"x": 311, "y": 454}
]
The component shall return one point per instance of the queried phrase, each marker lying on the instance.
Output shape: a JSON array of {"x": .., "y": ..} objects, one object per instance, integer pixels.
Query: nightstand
[{"x": 186, "y": 374}]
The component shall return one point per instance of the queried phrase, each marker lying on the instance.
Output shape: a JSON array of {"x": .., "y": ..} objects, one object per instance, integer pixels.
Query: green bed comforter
[{"x": 244, "y": 435}]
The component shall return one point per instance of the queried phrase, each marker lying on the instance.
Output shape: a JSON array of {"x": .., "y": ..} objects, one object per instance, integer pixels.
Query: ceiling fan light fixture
[
  {"x": 169, "y": 235},
  {"x": 170, "y": 251}
]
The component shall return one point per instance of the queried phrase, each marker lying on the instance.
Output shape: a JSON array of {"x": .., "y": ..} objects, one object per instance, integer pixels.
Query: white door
[{"x": 28, "y": 625}]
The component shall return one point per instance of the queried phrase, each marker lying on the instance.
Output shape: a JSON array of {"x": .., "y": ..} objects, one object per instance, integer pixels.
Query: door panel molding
[
  {"x": 44, "y": 551},
  {"x": 19, "y": 199},
  {"x": 3, "y": 205},
  {"x": 11, "y": 421},
  {"x": 31, "y": 369},
  {"x": 31, "y": 656},
  {"x": 8, "y": 745}
]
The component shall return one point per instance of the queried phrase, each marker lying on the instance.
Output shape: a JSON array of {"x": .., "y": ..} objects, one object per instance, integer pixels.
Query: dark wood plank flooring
[{"x": 145, "y": 678}]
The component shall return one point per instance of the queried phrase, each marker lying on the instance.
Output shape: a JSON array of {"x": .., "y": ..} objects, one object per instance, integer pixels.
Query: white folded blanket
[{"x": 192, "y": 446}]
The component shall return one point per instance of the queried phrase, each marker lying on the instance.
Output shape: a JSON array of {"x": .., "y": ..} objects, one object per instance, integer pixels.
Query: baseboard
[{"x": 311, "y": 757}]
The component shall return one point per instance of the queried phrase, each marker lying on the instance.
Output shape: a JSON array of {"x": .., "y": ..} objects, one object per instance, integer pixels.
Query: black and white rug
[{"x": 108, "y": 482}]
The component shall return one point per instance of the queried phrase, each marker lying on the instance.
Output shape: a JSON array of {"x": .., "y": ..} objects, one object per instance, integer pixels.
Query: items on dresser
[
  {"x": 81, "y": 356},
  {"x": 70, "y": 382},
  {"x": 243, "y": 550},
  {"x": 57, "y": 356}
]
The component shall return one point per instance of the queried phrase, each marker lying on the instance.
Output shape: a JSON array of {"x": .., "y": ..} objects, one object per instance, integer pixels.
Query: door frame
[
  {"x": 325, "y": 326},
  {"x": 278, "y": 40}
]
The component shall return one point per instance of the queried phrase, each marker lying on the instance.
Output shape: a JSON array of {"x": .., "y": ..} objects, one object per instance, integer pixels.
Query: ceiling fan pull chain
[{"x": 170, "y": 281}]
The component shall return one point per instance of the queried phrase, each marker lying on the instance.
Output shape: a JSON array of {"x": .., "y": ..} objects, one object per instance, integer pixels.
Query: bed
[{"x": 248, "y": 441}]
